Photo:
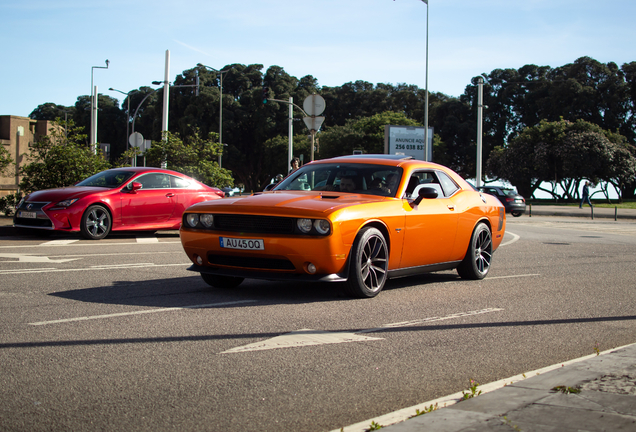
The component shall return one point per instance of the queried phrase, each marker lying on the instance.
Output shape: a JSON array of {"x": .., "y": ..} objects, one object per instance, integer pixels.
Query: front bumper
[
  {"x": 47, "y": 218},
  {"x": 253, "y": 274},
  {"x": 285, "y": 257}
]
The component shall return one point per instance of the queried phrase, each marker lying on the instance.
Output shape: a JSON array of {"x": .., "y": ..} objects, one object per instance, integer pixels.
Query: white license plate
[
  {"x": 245, "y": 244},
  {"x": 27, "y": 215},
  {"x": 518, "y": 201}
]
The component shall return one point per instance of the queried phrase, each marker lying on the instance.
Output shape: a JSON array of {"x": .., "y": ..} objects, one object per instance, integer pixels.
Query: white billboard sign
[{"x": 407, "y": 140}]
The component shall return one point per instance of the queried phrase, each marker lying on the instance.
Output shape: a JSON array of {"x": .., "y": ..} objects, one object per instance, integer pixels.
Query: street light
[
  {"x": 222, "y": 73},
  {"x": 427, "y": 156},
  {"x": 127, "y": 111},
  {"x": 93, "y": 137}
]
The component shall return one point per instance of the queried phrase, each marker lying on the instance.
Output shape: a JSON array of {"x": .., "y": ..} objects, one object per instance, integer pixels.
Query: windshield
[
  {"x": 107, "y": 179},
  {"x": 366, "y": 179}
]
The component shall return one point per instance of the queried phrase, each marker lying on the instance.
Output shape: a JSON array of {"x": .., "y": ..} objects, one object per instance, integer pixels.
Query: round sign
[
  {"x": 314, "y": 105},
  {"x": 136, "y": 139}
]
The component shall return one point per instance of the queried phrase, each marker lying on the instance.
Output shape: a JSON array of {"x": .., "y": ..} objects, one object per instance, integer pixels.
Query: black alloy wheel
[
  {"x": 96, "y": 223},
  {"x": 369, "y": 263}
]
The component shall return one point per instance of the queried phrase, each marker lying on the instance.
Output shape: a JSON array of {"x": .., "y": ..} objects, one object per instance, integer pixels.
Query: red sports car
[{"x": 115, "y": 200}]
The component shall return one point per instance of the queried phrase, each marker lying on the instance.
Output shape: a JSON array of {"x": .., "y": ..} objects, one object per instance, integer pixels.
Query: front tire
[
  {"x": 369, "y": 263},
  {"x": 217, "y": 281},
  {"x": 476, "y": 263},
  {"x": 96, "y": 223}
]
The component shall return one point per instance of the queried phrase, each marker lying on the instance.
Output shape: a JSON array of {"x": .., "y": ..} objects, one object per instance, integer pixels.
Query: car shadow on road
[
  {"x": 192, "y": 291},
  {"x": 188, "y": 291}
]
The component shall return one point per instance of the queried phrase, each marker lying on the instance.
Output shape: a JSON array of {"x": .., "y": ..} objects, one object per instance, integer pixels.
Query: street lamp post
[
  {"x": 93, "y": 137},
  {"x": 427, "y": 156},
  {"x": 222, "y": 73},
  {"x": 127, "y": 111}
]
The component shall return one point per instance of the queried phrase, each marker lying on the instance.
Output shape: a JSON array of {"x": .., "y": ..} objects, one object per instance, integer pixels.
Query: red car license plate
[{"x": 27, "y": 215}]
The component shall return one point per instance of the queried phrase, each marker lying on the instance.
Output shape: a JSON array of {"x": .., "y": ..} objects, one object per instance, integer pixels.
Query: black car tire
[
  {"x": 476, "y": 263},
  {"x": 368, "y": 265},
  {"x": 217, "y": 281},
  {"x": 516, "y": 213},
  {"x": 96, "y": 223}
]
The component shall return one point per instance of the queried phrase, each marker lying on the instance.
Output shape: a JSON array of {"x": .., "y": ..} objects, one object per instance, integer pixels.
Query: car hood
[
  {"x": 59, "y": 194},
  {"x": 277, "y": 203}
]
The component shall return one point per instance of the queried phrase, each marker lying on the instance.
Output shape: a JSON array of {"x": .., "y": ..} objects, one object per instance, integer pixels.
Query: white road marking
[
  {"x": 147, "y": 240},
  {"x": 513, "y": 276},
  {"x": 299, "y": 338},
  {"x": 515, "y": 237},
  {"x": 25, "y": 258},
  {"x": 446, "y": 401},
  {"x": 140, "y": 312},
  {"x": 59, "y": 242},
  {"x": 103, "y": 267},
  {"x": 307, "y": 337},
  {"x": 91, "y": 244}
]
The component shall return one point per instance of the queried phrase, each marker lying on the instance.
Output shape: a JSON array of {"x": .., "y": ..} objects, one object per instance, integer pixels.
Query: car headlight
[
  {"x": 192, "y": 219},
  {"x": 66, "y": 202},
  {"x": 322, "y": 226},
  {"x": 304, "y": 225},
  {"x": 207, "y": 220}
]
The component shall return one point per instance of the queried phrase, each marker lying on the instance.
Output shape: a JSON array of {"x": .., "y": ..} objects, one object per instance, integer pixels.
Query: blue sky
[{"x": 50, "y": 46}]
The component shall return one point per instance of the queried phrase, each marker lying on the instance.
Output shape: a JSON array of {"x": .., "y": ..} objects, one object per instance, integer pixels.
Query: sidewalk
[
  {"x": 594, "y": 393},
  {"x": 573, "y": 211}
]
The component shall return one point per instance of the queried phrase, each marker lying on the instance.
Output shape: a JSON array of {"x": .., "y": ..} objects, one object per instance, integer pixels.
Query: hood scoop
[{"x": 329, "y": 196}]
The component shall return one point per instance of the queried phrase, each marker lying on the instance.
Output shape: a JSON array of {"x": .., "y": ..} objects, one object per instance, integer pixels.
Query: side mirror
[
  {"x": 425, "y": 192},
  {"x": 134, "y": 186}
]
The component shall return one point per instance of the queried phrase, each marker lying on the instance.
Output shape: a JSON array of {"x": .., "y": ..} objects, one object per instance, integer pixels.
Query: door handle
[
  {"x": 170, "y": 195},
  {"x": 451, "y": 207}
]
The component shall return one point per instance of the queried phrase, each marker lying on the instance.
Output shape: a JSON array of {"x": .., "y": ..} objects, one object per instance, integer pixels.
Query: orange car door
[{"x": 430, "y": 230}]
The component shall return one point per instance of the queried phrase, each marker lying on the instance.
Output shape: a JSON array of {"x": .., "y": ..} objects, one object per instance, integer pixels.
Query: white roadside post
[
  {"x": 480, "y": 119},
  {"x": 166, "y": 100}
]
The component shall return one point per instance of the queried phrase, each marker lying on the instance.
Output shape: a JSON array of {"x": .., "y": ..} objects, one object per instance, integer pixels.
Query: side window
[
  {"x": 154, "y": 181},
  {"x": 448, "y": 185},
  {"x": 421, "y": 180},
  {"x": 179, "y": 183}
]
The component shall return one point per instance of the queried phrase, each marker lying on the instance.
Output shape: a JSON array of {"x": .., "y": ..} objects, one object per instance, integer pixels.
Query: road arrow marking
[
  {"x": 304, "y": 337},
  {"x": 35, "y": 258},
  {"x": 307, "y": 337}
]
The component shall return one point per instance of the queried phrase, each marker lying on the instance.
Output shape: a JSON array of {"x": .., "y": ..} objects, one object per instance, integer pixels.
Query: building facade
[{"x": 17, "y": 134}]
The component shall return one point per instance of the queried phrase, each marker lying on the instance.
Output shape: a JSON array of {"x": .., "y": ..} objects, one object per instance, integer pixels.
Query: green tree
[
  {"x": 563, "y": 153},
  {"x": 60, "y": 159},
  {"x": 193, "y": 156},
  {"x": 5, "y": 159},
  {"x": 365, "y": 134}
]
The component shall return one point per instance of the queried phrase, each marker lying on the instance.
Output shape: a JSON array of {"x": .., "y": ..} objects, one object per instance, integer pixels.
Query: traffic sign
[
  {"x": 313, "y": 123},
  {"x": 136, "y": 140},
  {"x": 314, "y": 105}
]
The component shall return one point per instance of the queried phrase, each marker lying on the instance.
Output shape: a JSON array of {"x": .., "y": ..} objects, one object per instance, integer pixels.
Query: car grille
[
  {"x": 41, "y": 221},
  {"x": 254, "y": 224},
  {"x": 35, "y": 223},
  {"x": 251, "y": 262}
]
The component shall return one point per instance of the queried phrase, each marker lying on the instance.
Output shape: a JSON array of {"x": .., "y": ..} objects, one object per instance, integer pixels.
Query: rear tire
[
  {"x": 225, "y": 282},
  {"x": 516, "y": 213},
  {"x": 476, "y": 263},
  {"x": 369, "y": 261}
]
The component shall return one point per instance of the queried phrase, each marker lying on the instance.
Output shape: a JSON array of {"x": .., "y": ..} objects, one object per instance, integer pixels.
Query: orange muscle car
[{"x": 358, "y": 220}]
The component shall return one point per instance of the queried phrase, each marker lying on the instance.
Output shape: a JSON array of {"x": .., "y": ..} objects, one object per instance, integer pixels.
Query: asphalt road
[{"x": 118, "y": 335}]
